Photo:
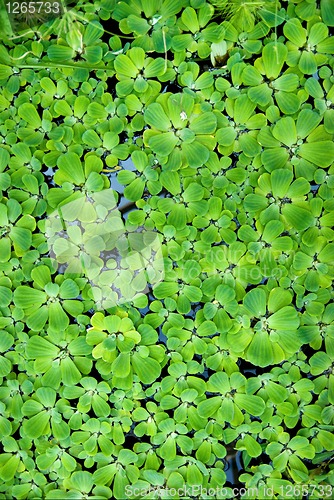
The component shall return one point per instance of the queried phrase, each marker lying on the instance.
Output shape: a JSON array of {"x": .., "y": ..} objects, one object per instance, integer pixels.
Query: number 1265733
[
  {"x": 33, "y": 7},
  {"x": 321, "y": 491}
]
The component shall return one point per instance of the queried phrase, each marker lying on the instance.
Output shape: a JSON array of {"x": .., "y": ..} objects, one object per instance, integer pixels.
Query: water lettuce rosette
[{"x": 176, "y": 121}]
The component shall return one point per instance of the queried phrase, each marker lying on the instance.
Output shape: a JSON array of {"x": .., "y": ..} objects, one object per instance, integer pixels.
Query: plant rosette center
[{"x": 5, "y": 230}]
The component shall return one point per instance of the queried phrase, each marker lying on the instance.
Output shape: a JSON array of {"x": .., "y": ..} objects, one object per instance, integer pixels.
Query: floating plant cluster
[{"x": 140, "y": 345}]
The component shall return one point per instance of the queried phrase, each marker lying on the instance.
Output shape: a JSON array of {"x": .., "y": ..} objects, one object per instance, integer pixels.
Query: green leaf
[
  {"x": 226, "y": 135},
  {"x": 249, "y": 145},
  {"x": 70, "y": 374},
  {"x": 8, "y": 470},
  {"x": 278, "y": 298},
  {"x": 243, "y": 109},
  {"x": 251, "y": 76},
  {"x": 252, "y": 404},
  {"x": 206, "y": 329},
  {"x": 204, "y": 452},
  {"x": 28, "y": 113},
  {"x": 326, "y": 46},
  {"x": 5, "y": 249},
  {"x": 100, "y": 407},
  {"x": 155, "y": 68},
  {"x": 287, "y": 83},
  {"x": 177, "y": 216},
  {"x": 93, "y": 32},
  {"x": 92, "y": 140},
  {"x": 288, "y": 102},
  {"x": 318, "y": 33},
  {"x": 209, "y": 407},
  {"x": 327, "y": 12},
  {"x": 154, "y": 477},
  {"x": 39, "y": 347},
  {"x": 192, "y": 293},
  {"x": 80, "y": 106},
  {"x": 284, "y": 319},
  {"x": 294, "y": 31},
  {"x": 319, "y": 153},
  {"x": 121, "y": 366},
  {"x": 94, "y": 182},
  {"x": 274, "y": 55},
  {"x": 327, "y": 253},
  {"x": 94, "y": 246},
  {"x": 307, "y": 63},
  {"x": 261, "y": 94},
  {"x": 62, "y": 108},
  {"x": 307, "y": 121},
  {"x": 260, "y": 351},
  {"x": 5, "y": 72},
  {"x": 156, "y": 117},
  {"x": 219, "y": 382},
  {"x": 274, "y": 158},
  {"x": 194, "y": 476},
  {"x": 255, "y": 302},
  {"x": 195, "y": 153},
  {"x": 70, "y": 165},
  {"x": 21, "y": 491},
  {"x": 312, "y": 282},
  {"x": 104, "y": 475},
  {"x": 204, "y": 124},
  {"x": 5, "y": 366},
  {"x": 255, "y": 202},
  {"x": 163, "y": 144},
  {"x": 168, "y": 449},
  {"x": 276, "y": 392},
  {"x": 165, "y": 289},
  {"x": 285, "y": 131},
  {"x": 5, "y": 296},
  {"x": 21, "y": 239},
  {"x": 96, "y": 110},
  {"x": 147, "y": 369},
  {"x": 41, "y": 275},
  {"x": 25, "y": 297},
  {"x": 82, "y": 481},
  {"x": 124, "y": 66},
  {"x": 298, "y": 217},
  {"x": 326, "y": 439},
  {"x": 280, "y": 181},
  {"x": 35, "y": 426},
  {"x": 252, "y": 446},
  {"x": 194, "y": 192},
  {"x": 272, "y": 230},
  {"x": 69, "y": 462},
  {"x": 135, "y": 190},
  {"x": 189, "y": 18},
  {"x": 171, "y": 182},
  {"x": 58, "y": 319},
  {"x": 59, "y": 53},
  {"x": 313, "y": 87}
]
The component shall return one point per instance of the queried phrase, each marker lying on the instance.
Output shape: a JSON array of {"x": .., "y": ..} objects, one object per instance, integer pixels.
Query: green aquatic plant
[
  {"x": 271, "y": 330},
  {"x": 177, "y": 121},
  {"x": 166, "y": 250},
  {"x": 124, "y": 350},
  {"x": 317, "y": 41},
  {"x": 243, "y": 14}
]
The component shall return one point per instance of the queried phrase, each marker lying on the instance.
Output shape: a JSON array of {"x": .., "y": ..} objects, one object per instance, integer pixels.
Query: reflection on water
[{"x": 233, "y": 465}]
